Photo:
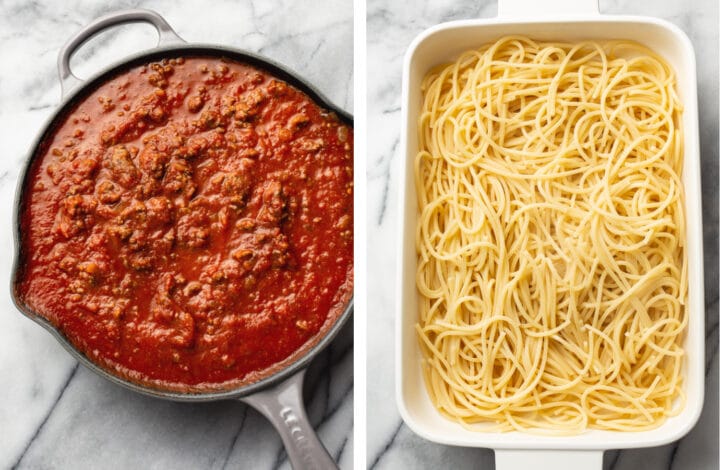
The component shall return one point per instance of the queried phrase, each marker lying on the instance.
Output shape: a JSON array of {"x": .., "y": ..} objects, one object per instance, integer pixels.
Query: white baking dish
[{"x": 566, "y": 20}]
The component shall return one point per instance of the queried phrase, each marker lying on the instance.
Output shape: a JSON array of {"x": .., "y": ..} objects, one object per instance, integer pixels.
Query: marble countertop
[
  {"x": 55, "y": 414},
  {"x": 391, "y": 28}
]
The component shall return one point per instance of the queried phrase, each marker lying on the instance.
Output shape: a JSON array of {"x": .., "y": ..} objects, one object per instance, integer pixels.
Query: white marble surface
[
  {"x": 56, "y": 415},
  {"x": 391, "y": 28}
]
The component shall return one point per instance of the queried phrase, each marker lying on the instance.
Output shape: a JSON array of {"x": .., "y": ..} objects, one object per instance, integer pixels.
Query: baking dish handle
[
  {"x": 548, "y": 459},
  {"x": 534, "y": 8},
  {"x": 283, "y": 406},
  {"x": 167, "y": 36}
]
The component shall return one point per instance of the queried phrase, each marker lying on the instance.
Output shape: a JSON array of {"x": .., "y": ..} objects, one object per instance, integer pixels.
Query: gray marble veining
[
  {"x": 54, "y": 414},
  {"x": 391, "y": 28}
]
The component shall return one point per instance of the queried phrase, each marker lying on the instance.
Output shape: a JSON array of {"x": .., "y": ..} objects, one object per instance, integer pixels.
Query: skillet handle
[
  {"x": 548, "y": 459},
  {"x": 167, "y": 36},
  {"x": 283, "y": 406}
]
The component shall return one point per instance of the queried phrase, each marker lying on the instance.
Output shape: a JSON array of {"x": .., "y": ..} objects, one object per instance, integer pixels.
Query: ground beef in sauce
[{"x": 189, "y": 224}]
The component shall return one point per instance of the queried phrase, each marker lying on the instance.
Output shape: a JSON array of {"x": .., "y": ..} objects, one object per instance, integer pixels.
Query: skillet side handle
[
  {"x": 283, "y": 406},
  {"x": 535, "y": 8},
  {"x": 548, "y": 459},
  {"x": 166, "y": 36}
]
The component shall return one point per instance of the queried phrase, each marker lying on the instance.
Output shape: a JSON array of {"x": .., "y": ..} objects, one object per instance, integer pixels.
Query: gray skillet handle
[
  {"x": 167, "y": 36},
  {"x": 283, "y": 406}
]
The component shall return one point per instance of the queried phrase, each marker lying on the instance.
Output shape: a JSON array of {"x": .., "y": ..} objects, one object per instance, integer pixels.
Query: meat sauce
[{"x": 188, "y": 226}]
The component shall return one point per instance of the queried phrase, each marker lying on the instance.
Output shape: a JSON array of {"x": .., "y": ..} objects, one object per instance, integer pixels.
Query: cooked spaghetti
[{"x": 551, "y": 262}]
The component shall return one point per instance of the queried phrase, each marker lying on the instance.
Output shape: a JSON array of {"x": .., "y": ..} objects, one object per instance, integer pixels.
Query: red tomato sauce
[{"x": 188, "y": 226}]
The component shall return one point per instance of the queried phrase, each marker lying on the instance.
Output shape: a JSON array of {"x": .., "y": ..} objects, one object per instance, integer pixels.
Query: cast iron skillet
[{"x": 278, "y": 396}]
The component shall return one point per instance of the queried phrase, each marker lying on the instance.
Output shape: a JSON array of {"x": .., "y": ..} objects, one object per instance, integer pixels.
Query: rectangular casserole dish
[{"x": 561, "y": 20}]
